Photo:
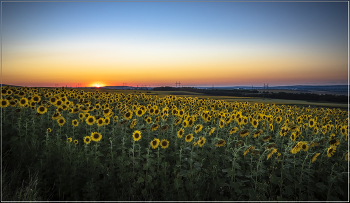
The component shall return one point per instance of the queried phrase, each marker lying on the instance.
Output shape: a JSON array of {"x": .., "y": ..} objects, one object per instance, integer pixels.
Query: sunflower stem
[
  {"x": 158, "y": 159},
  {"x": 133, "y": 155}
]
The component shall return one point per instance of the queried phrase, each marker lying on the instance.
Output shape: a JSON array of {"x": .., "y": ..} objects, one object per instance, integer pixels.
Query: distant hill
[{"x": 10, "y": 85}]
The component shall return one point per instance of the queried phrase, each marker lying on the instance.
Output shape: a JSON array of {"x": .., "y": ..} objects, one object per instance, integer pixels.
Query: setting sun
[{"x": 97, "y": 84}]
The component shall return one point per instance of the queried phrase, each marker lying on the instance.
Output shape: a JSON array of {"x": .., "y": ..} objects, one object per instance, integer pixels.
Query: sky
[{"x": 45, "y": 44}]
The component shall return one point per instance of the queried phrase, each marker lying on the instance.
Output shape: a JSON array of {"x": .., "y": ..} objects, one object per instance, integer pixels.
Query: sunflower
[
  {"x": 248, "y": 149},
  {"x": 221, "y": 123},
  {"x": 53, "y": 100},
  {"x": 198, "y": 128},
  {"x": 181, "y": 113},
  {"x": 347, "y": 156},
  {"x": 331, "y": 150},
  {"x": 180, "y": 133},
  {"x": 96, "y": 137},
  {"x": 137, "y": 135},
  {"x": 233, "y": 130},
  {"x": 279, "y": 119},
  {"x": 107, "y": 111},
  {"x": 177, "y": 121},
  {"x": 128, "y": 115},
  {"x": 271, "y": 127},
  {"x": 296, "y": 148},
  {"x": 87, "y": 139},
  {"x": 75, "y": 142},
  {"x": 23, "y": 101},
  {"x": 4, "y": 103},
  {"x": 90, "y": 120},
  {"x": 69, "y": 139},
  {"x": 314, "y": 157},
  {"x": 257, "y": 133},
  {"x": 75, "y": 122},
  {"x": 49, "y": 130},
  {"x": 155, "y": 143},
  {"x": 151, "y": 111},
  {"x": 59, "y": 102},
  {"x": 100, "y": 122},
  {"x": 61, "y": 121},
  {"x": 155, "y": 127},
  {"x": 312, "y": 123},
  {"x": 244, "y": 133},
  {"x": 284, "y": 131},
  {"x": 334, "y": 142},
  {"x": 190, "y": 122},
  {"x": 255, "y": 123},
  {"x": 270, "y": 146},
  {"x": 164, "y": 128},
  {"x": 139, "y": 112},
  {"x": 271, "y": 153},
  {"x": 115, "y": 118},
  {"x": 189, "y": 137},
  {"x": 220, "y": 143},
  {"x": 81, "y": 116},
  {"x": 343, "y": 130},
  {"x": 201, "y": 141},
  {"x": 106, "y": 120},
  {"x": 185, "y": 123},
  {"x": 266, "y": 138},
  {"x": 164, "y": 144},
  {"x": 255, "y": 152},
  {"x": 293, "y": 136},
  {"x": 41, "y": 109},
  {"x": 211, "y": 131},
  {"x": 304, "y": 146}
]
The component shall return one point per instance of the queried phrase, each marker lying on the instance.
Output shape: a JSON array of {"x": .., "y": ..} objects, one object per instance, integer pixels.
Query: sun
[{"x": 97, "y": 85}]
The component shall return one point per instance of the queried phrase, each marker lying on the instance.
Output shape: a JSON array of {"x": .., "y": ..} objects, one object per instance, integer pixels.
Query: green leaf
[
  {"x": 339, "y": 190},
  {"x": 288, "y": 190},
  {"x": 225, "y": 170},
  {"x": 322, "y": 186},
  {"x": 237, "y": 166},
  {"x": 140, "y": 180},
  {"x": 149, "y": 178},
  {"x": 145, "y": 167},
  {"x": 99, "y": 153},
  {"x": 13, "y": 139},
  {"x": 275, "y": 180},
  {"x": 190, "y": 161}
]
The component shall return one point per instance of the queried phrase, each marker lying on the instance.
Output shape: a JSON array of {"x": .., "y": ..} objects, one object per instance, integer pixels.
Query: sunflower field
[{"x": 80, "y": 145}]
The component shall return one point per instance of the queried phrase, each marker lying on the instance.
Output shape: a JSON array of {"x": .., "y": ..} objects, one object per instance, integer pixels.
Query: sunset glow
[{"x": 159, "y": 43}]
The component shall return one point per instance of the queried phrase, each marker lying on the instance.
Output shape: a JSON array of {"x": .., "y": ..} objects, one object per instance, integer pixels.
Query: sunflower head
[
  {"x": 75, "y": 122},
  {"x": 180, "y": 133},
  {"x": 96, "y": 137},
  {"x": 137, "y": 135},
  {"x": 189, "y": 137},
  {"x": 220, "y": 143},
  {"x": 87, "y": 140},
  {"x": 331, "y": 150},
  {"x": 61, "y": 121},
  {"x": 164, "y": 144},
  {"x": 155, "y": 143}
]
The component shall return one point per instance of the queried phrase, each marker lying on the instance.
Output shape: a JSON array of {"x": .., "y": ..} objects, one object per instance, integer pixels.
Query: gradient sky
[{"x": 159, "y": 43}]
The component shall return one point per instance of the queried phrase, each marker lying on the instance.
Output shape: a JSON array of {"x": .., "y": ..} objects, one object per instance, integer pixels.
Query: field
[{"x": 72, "y": 145}]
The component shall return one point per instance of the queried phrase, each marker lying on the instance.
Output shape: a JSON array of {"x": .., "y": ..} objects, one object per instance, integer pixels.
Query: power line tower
[{"x": 177, "y": 83}]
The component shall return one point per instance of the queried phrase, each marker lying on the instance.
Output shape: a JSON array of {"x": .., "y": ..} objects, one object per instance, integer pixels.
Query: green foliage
[{"x": 43, "y": 165}]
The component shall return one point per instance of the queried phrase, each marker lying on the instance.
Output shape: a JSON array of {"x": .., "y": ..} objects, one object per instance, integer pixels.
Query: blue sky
[{"x": 232, "y": 43}]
